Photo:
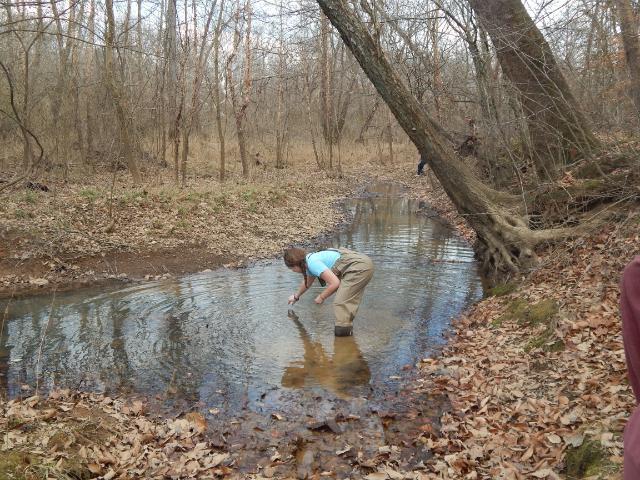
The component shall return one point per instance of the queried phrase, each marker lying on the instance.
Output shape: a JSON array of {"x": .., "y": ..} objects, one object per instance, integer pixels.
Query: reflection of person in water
[
  {"x": 341, "y": 270},
  {"x": 347, "y": 368}
]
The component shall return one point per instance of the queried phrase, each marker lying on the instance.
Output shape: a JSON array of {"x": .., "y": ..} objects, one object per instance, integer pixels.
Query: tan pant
[{"x": 354, "y": 271}]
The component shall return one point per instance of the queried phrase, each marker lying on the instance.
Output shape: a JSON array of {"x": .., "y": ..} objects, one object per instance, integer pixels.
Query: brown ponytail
[{"x": 296, "y": 257}]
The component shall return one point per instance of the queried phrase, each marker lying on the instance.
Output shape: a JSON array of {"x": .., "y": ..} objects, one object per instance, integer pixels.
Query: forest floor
[
  {"x": 534, "y": 376},
  {"x": 86, "y": 233},
  {"x": 536, "y": 372}
]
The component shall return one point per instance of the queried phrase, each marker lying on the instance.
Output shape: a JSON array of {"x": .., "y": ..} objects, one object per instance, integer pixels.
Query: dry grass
[{"x": 96, "y": 213}]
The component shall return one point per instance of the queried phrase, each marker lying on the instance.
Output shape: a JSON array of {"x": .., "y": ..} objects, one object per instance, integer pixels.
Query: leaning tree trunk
[
  {"x": 505, "y": 243},
  {"x": 559, "y": 130},
  {"x": 631, "y": 42}
]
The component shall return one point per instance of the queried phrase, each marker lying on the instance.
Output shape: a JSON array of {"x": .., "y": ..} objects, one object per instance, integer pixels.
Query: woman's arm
[
  {"x": 333, "y": 283},
  {"x": 301, "y": 289}
]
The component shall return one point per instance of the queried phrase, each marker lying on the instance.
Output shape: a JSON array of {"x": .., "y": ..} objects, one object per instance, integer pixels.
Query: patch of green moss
[
  {"x": 249, "y": 195},
  {"x": 183, "y": 224},
  {"x": 14, "y": 465},
  {"x": 524, "y": 313},
  {"x": 59, "y": 440},
  {"x": 182, "y": 211},
  {"x": 22, "y": 214},
  {"x": 515, "y": 310},
  {"x": 221, "y": 199},
  {"x": 588, "y": 460},
  {"x": 163, "y": 196},
  {"x": 30, "y": 197},
  {"x": 587, "y": 170},
  {"x": 14, "y": 422},
  {"x": 547, "y": 341},
  {"x": 90, "y": 195},
  {"x": 502, "y": 289},
  {"x": 592, "y": 184},
  {"x": 539, "y": 313},
  {"x": 539, "y": 365},
  {"x": 556, "y": 346}
]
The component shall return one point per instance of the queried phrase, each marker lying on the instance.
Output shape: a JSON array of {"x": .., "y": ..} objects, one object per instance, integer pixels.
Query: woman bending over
[{"x": 338, "y": 270}]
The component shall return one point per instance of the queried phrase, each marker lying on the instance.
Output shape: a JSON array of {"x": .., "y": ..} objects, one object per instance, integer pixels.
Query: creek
[{"x": 227, "y": 338}]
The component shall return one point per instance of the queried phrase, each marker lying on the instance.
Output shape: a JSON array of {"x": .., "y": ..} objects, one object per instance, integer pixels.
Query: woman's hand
[
  {"x": 319, "y": 299},
  {"x": 293, "y": 299}
]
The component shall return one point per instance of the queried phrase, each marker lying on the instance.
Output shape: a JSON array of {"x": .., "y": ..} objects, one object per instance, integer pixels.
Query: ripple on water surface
[{"x": 229, "y": 335}]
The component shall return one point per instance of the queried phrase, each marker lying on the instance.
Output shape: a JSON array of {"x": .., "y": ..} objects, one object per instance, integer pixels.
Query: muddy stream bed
[{"x": 277, "y": 389}]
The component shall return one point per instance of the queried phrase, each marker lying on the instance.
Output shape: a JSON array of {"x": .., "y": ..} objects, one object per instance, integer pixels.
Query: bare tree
[
  {"x": 114, "y": 86},
  {"x": 281, "y": 127},
  {"x": 308, "y": 92},
  {"x": 66, "y": 45},
  {"x": 326, "y": 101},
  {"x": 240, "y": 100},
  {"x": 217, "y": 80},
  {"x": 631, "y": 41},
  {"x": 26, "y": 45},
  {"x": 464, "y": 24},
  {"x": 16, "y": 118},
  {"x": 558, "y": 128},
  {"x": 505, "y": 243},
  {"x": 290, "y": 86},
  {"x": 191, "y": 110},
  {"x": 170, "y": 104}
]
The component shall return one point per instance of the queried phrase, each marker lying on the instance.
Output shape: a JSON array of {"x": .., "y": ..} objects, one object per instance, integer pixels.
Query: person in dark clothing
[
  {"x": 423, "y": 162},
  {"x": 630, "y": 313}
]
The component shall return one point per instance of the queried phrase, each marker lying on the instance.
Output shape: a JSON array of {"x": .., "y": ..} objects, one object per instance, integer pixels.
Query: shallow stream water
[{"x": 226, "y": 338}]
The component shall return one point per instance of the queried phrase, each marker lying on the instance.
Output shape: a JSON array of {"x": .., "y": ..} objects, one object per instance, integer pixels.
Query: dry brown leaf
[{"x": 376, "y": 476}]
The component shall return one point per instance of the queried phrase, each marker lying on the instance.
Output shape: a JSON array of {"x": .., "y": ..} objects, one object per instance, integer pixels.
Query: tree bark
[
  {"x": 281, "y": 128},
  {"x": 469, "y": 31},
  {"x": 326, "y": 101},
  {"x": 558, "y": 128},
  {"x": 367, "y": 122},
  {"x": 171, "y": 85},
  {"x": 307, "y": 93},
  {"x": 202, "y": 50},
  {"x": 216, "y": 91},
  {"x": 505, "y": 243},
  {"x": 115, "y": 91},
  {"x": 90, "y": 54},
  {"x": 631, "y": 42},
  {"x": 246, "y": 85},
  {"x": 240, "y": 100}
]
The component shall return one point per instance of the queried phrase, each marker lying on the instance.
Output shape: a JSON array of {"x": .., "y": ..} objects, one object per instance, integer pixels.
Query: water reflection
[
  {"x": 223, "y": 337},
  {"x": 338, "y": 373}
]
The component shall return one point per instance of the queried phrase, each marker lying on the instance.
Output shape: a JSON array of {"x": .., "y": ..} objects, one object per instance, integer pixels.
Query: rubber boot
[{"x": 343, "y": 331}]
